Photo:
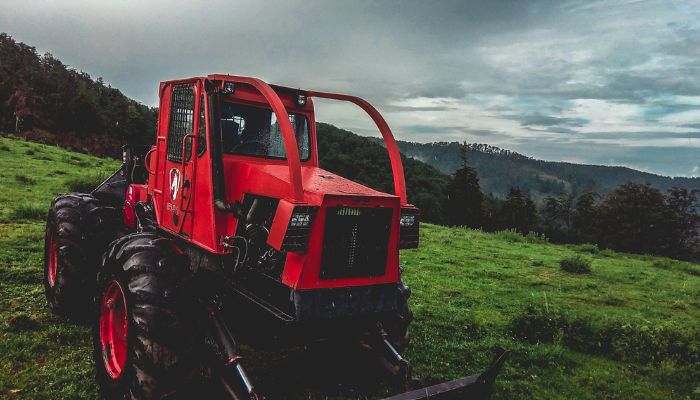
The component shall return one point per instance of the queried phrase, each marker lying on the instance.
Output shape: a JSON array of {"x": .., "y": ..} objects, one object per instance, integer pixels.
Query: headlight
[
  {"x": 300, "y": 220},
  {"x": 408, "y": 224},
  {"x": 408, "y": 220}
]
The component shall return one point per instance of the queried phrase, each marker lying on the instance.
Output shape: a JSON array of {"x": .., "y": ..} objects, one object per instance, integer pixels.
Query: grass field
[{"x": 629, "y": 328}]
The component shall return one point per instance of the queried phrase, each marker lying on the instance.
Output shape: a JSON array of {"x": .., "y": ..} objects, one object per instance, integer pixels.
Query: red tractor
[{"x": 227, "y": 229}]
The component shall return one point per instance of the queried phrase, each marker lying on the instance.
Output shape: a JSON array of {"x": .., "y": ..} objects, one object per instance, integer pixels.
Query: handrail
[
  {"x": 290, "y": 141},
  {"x": 392, "y": 148}
]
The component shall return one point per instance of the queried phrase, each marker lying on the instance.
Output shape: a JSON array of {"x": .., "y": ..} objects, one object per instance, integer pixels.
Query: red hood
[{"x": 316, "y": 182}]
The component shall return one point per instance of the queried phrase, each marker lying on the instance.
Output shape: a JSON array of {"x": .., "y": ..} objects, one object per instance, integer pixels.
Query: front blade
[{"x": 477, "y": 386}]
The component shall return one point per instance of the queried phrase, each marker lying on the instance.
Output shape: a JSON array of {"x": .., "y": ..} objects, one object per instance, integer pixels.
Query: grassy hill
[{"x": 628, "y": 329}]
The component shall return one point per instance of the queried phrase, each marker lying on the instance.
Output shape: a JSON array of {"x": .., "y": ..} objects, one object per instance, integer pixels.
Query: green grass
[{"x": 629, "y": 329}]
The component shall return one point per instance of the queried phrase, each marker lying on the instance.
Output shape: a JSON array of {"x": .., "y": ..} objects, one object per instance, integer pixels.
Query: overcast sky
[{"x": 603, "y": 82}]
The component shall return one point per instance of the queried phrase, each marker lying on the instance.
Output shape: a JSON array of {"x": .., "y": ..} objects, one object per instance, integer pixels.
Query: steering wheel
[{"x": 256, "y": 143}]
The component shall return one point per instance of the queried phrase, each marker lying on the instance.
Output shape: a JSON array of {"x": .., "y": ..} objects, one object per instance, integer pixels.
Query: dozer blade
[{"x": 479, "y": 386}]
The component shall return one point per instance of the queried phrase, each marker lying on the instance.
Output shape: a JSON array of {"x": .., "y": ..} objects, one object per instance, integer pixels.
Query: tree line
[
  {"x": 44, "y": 100},
  {"x": 634, "y": 217}
]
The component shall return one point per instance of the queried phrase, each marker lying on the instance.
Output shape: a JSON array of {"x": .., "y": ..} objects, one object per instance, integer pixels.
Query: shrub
[
  {"x": 630, "y": 341},
  {"x": 588, "y": 248},
  {"x": 84, "y": 183},
  {"x": 29, "y": 211},
  {"x": 536, "y": 326},
  {"x": 534, "y": 237},
  {"x": 25, "y": 179},
  {"x": 510, "y": 235},
  {"x": 575, "y": 264},
  {"x": 662, "y": 264}
]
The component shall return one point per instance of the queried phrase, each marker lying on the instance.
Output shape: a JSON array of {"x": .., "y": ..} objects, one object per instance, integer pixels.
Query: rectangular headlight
[
  {"x": 409, "y": 225},
  {"x": 408, "y": 220},
  {"x": 300, "y": 220}
]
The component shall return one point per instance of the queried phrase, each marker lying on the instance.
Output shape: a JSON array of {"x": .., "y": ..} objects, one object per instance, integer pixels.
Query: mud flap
[{"x": 479, "y": 386}]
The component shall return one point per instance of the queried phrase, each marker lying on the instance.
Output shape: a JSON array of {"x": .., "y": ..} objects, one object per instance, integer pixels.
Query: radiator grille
[{"x": 356, "y": 242}]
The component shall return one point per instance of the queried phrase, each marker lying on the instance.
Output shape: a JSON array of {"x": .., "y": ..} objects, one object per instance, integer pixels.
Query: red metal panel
[{"x": 279, "y": 226}]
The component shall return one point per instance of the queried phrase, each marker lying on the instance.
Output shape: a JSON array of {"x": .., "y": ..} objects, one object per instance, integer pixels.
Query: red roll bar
[
  {"x": 290, "y": 141},
  {"x": 392, "y": 148}
]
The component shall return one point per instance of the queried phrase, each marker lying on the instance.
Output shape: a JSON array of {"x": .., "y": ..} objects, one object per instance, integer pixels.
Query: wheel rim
[
  {"x": 113, "y": 329},
  {"x": 53, "y": 258}
]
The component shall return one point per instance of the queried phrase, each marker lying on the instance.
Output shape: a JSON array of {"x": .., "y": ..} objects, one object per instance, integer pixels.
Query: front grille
[{"x": 356, "y": 242}]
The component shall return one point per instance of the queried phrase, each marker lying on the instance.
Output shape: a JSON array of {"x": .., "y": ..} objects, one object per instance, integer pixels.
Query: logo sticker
[{"x": 174, "y": 183}]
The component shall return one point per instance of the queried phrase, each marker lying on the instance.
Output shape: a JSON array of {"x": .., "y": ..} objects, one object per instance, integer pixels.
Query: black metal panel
[
  {"x": 181, "y": 119},
  {"x": 353, "y": 301},
  {"x": 356, "y": 242}
]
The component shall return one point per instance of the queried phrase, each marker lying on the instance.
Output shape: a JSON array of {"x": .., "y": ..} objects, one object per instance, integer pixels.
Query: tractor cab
[{"x": 236, "y": 161}]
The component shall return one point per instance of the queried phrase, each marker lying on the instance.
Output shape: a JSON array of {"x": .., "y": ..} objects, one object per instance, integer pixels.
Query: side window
[
  {"x": 202, "y": 133},
  {"x": 181, "y": 120}
]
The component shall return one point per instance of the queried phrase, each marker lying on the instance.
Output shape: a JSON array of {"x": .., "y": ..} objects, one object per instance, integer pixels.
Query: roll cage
[{"x": 296, "y": 190}]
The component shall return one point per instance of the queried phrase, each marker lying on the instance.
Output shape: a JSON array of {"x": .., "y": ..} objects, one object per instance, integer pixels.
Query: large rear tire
[
  {"x": 146, "y": 335},
  {"x": 78, "y": 229}
]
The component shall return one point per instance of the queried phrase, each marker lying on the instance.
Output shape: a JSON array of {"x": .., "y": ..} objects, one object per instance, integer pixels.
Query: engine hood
[{"x": 273, "y": 180}]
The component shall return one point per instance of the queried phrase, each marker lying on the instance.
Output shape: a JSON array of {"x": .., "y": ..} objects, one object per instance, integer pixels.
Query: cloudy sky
[{"x": 604, "y": 82}]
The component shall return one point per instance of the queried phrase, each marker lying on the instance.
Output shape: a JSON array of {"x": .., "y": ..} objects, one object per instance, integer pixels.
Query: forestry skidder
[{"x": 227, "y": 228}]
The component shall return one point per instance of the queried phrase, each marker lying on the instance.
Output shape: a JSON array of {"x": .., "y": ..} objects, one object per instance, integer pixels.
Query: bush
[
  {"x": 29, "y": 211},
  {"x": 536, "y": 326},
  {"x": 510, "y": 236},
  {"x": 534, "y": 237},
  {"x": 84, "y": 183},
  {"x": 25, "y": 179},
  {"x": 630, "y": 341},
  {"x": 575, "y": 264},
  {"x": 588, "y": 248},
  {"x": 662, "y": 264}
]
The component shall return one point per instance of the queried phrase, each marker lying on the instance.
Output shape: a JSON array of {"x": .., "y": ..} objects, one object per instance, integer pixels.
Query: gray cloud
[{"x": 522, "y": 75}]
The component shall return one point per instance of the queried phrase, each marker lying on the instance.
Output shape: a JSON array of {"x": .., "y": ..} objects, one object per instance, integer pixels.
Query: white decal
[{"x": 174, "y": 183}]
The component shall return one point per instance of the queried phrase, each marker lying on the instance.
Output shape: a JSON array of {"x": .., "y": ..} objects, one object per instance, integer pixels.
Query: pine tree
[
  {"x": 465, "y": 201},
  {"x": 518, "y": 212}
]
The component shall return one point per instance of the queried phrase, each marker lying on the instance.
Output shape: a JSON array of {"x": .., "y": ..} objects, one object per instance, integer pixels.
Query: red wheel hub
[
  {"x": 53, "y": 258},
  {"x": 113, "y": 329}
]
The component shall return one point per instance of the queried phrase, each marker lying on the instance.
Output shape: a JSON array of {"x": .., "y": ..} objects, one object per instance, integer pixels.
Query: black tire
[
  {"x": 78, "y": 229},
  {"x": 396, "y": 326},
  {"x": 163, "y": 337}
]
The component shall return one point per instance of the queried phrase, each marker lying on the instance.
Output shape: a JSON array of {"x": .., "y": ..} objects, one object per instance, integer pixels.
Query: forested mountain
[
  {"x": 499, "y": 170},
  {"x": 43, "y": 99}
]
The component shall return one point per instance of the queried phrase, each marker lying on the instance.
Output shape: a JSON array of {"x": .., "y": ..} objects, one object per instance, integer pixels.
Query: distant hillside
[{"x": 500, "y": 169}]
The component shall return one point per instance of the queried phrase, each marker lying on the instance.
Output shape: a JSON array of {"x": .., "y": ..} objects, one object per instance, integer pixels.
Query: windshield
[{"x": 254, "y": 131}]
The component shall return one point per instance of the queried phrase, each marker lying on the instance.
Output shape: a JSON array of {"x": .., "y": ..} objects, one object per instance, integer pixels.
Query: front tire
[
  {"x": 145, "y": 337},
  {"x": 78, "y": 229}
]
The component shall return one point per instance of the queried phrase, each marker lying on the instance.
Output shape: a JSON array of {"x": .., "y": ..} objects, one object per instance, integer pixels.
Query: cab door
[{"x": 179, "y": 165}]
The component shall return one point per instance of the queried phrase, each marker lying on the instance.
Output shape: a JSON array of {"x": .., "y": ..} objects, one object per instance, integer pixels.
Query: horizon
[{"x": 609, "y": 83}]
